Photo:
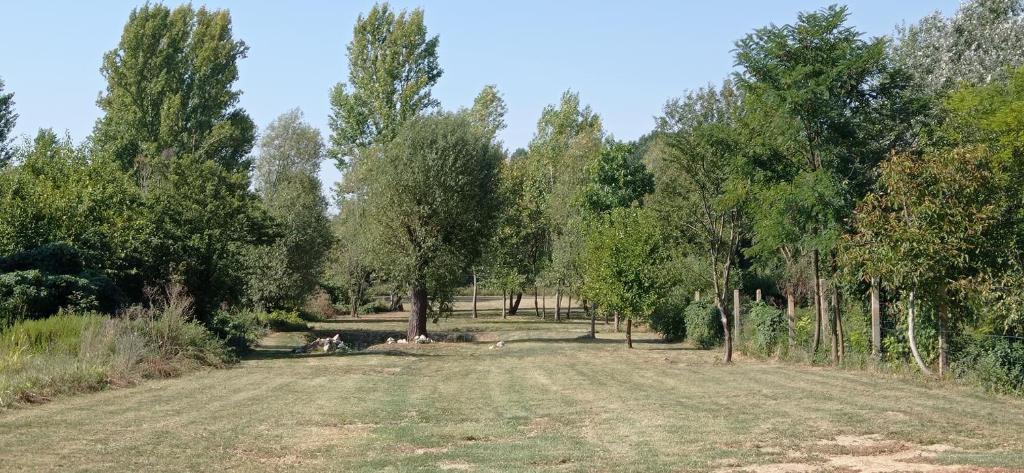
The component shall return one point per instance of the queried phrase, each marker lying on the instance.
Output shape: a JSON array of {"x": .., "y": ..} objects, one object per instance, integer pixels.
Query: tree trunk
[
  {"x": 536, "y": 305},
  {"x": 418, "y": 312},
  {"x": 558, "y": 304},
  {"x": 544, "y": 305},
  {"x": 353, "y": 298},
  {"x": 943, "y": 343},
  {"x": 515, "y": 305},
  {"x": 791, "y": 316},
  {"x": 816, "y": 340},
  {"x": 629, "y": 332},
  {"x": 837, "y": 329},
  {"x": 833, "y": 328},
  {"x": 616, "y": 315},
  {"x": 727, "y": 356},
  {"x": 911, "y": 310},
  {"x": 568, "y": 308},
  {"x": 876, "y": 319},
  {"x": 606, "y": 317},
  {"x": 593, "y": 319},
  {"x": 827, "y": 328},
  {"x": 736, "y": 318},
  {"x": 504, "y": 303},
  {"x": 474, "y": 294}
]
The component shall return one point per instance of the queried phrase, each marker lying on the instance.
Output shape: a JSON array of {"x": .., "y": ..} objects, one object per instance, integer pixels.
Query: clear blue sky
[{"x": 624, "y": 58}]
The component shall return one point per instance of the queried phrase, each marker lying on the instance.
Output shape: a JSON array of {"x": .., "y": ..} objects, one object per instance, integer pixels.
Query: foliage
[
  {"x": 282, "y": 321},
  {"x": 703, "y": 327},
  {"x": 7, "y": 120},
  {"x": 285, "y": 273},
  {"x": 488, "y": 110},
  {"x": 994, "y": 362},
  {"x": 72, "y": 352},
  {"x": 623, "y": 264},
  {"x": 206, "y": 220},
  {"x": 769, "y": 328},
  {"x": 239, "y": 329},
  {"x": 977, "y": 45},
  {"x": 429, "y": 201},
  {"x": 669, "y": 317},
  {"x": 618, "y": 178},
  {"x": 169, "y": 90},
  {"x": 392, "y": 67},
  {"x": 513, "y": 258}
]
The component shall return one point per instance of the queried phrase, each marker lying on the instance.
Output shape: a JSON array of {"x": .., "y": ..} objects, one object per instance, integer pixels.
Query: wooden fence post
[
  {"x": 876, "y": 319},
  {"x": 757, "y": 295},
  {"x": 736, "y": 317}
]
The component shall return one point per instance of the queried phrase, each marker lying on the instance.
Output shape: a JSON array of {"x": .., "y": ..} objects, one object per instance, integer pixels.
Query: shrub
[
  {"x": 669, "y": 320},
  {"x": 239, "y": 330},
  {"x": 769, "y": 328},
  {"x": 375, "y": 307},
  {"x": 61, "y": 333},
  {"x": 995, "y": 363},
  {"x": 283, "y": 321},
  {"x": 703, "y": 325}
]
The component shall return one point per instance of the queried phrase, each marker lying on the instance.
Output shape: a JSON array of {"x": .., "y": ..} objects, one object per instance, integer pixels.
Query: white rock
[
  {"x": 402, "y": 341},
  {"x": 391, "y": 340},
  {"x": 500, "y": 344}
]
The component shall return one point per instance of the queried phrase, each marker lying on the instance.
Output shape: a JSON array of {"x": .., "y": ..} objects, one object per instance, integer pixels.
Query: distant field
[{"x": 547, "y": 401}]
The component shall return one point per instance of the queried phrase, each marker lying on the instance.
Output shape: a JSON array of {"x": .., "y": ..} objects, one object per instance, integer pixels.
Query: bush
[
  {"x": 283, "y": 321},
  {"x": 995, "y": 363},
  {"x": 669, "y": 320},
  {"x": 769, "y": 328},
  {"x": 375, "y": 307},
  {"x": 239, "y": 330},
  {"x": 61, "y": 333},
  {"x": 703, "y": 325}
]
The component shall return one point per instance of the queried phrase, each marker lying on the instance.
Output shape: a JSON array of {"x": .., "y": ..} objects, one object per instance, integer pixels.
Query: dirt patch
[
  {"x": 863, "y": 454},
  {"x": 455, "y": 465}
]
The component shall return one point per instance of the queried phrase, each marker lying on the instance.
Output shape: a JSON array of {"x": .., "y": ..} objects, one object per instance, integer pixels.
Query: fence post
[
  {"x": 736, "y": 318},
  {"x": 757, "y": 295},
  {"x": 876, "y": 319}
]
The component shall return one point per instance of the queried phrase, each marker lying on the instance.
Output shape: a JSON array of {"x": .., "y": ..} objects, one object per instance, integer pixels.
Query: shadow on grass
[{"x": 275, "y": 352}]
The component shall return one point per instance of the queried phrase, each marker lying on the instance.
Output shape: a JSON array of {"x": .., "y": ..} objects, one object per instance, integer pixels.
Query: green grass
[{"x": 547, "y": 401}]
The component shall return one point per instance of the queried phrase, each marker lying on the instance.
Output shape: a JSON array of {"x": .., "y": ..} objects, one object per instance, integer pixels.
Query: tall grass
[{"x": 70, "y": 352}]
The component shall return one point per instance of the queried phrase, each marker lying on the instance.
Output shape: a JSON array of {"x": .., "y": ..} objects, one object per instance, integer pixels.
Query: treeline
[{"x": 828, "y": 167}]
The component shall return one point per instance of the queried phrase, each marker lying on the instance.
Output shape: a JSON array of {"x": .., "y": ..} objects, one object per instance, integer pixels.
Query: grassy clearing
[{"x": 547, "y": 401}]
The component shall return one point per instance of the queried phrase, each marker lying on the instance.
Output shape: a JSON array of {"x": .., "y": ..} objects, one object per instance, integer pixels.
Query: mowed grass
[{"x": 547, "y": 401}]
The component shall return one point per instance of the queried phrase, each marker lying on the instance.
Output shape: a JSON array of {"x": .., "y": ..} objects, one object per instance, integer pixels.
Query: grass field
[{"x": 546, "y": 401}]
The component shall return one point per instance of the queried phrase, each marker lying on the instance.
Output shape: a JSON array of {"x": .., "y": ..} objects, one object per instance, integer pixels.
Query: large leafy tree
[
  {"x": 7, "y": 121},
  {"x": 170, "y": 89},
  {"x": 392, "y": 67},
  {"x": 816, "y": 88},
  {"x": 983, "y": 41},
  {"x": 701, "y": 187},
  {"x": 618, "y": 178},
  {"x": 624, "y": 258},
  {"x": 568, "y": 138},
  {"x": 287, "y": 272},
  {"x": 429, "y": 197},
  {"x": 937, "y": 222},
  {"x": 488, "y": 110},
  {"x": 206, "y": 220}
]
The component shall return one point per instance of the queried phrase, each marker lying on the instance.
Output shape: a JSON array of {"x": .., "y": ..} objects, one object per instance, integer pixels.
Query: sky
[{"x": 625, "y": 59}]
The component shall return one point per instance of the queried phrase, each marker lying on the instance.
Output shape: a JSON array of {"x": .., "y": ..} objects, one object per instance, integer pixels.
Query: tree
[
  {"x": 392, "y": 67},
  {"x": 937, "y": 221},
  {"x": 7, "y": 121},
  {"x": 983, "y": 41},
  {"x": 430, "y": 207},
  {"x": 488, "y": 110},
  {"x": 206, "y": 220},
  {"x": 568, "y": 139},
  {"x": 59, "y": 194},
  {"x": 623, "y": 265},
  {"x": 701, "y": 187},
  {"x": 618, "y": 178},
  {"x": 169, "y": 89},
  {"x": 816, "y": 90},
  {"x": 286, "y": 273}
]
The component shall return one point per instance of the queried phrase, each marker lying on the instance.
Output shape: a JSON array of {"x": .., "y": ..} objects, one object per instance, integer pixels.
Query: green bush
[
  {"x": 375, "y": 307},
  {"x": 239, "y": 330},
  {"x": 703, "y": 325},
  {"x": 768, "y": 326},
  {"x": 283, "y": 321},
  {"x": 995, "y": 363},
  {"x": 669, "y": 320}
]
